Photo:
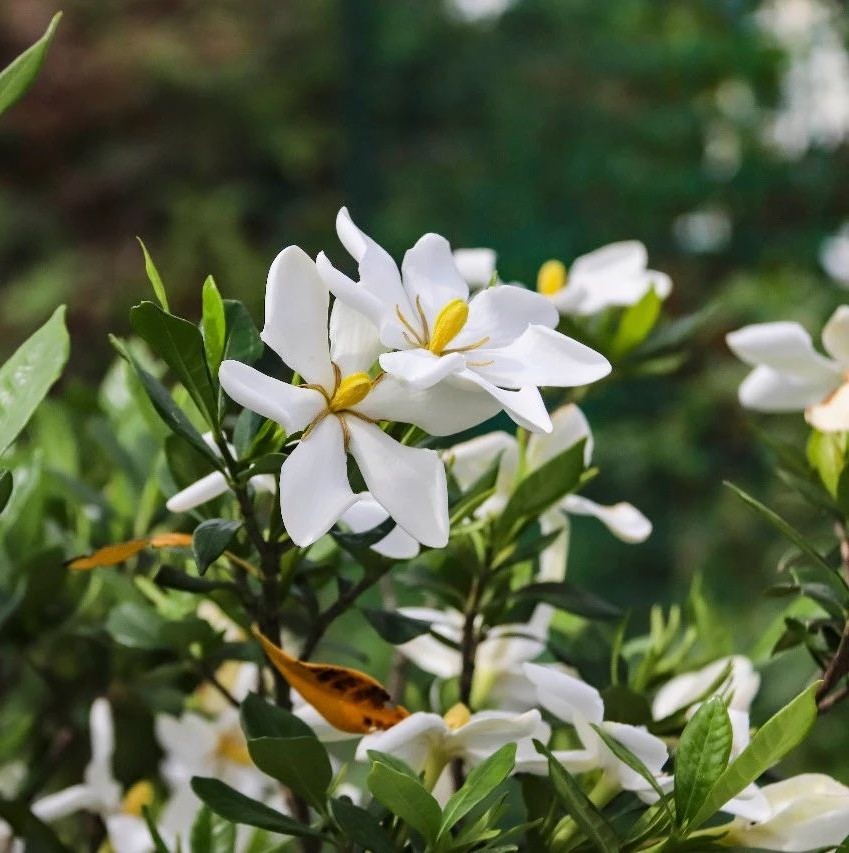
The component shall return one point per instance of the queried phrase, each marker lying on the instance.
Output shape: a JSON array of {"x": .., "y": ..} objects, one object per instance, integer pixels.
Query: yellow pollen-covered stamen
[
  {"x": 350, "y": 391},
  {"x": 456, "y": 716},
  {"x": 551, "y": 278},
  {"x": 449, "y": 322},
  {"x": 137, "y": 797},
  {"x": 233, "y": 747}
]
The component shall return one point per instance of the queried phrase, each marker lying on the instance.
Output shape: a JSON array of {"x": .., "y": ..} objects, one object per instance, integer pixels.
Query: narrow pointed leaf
[
  {"x": 17, "y": 77},
  {"x": 361, "y": 827},
  {"x": 153, "y": 277}
]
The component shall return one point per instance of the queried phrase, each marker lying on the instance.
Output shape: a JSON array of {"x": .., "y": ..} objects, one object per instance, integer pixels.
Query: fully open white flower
[
  {"x": 337, "y": 411},
  {"x": 791, "y": 376},
  {"x": 614, "y": 276},
  {"x": 579, "y": 704},
  {"x": 807, "y": 812},
  {"x": 499, "y": 346},
  {"x": 471, "y": 459}
]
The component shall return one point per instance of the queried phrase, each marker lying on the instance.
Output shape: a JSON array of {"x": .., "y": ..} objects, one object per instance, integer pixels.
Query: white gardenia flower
[
  {"x": 834, "y": 256},
  {"x": 791, "y": 376},
  {"x": 614, "y": 276},
  {"x": 575, "y": 702},
  {"x": 471, "y": 459},
  {"x": 493, "y": 350},
  {"x": 807, "y": 812},
  {"x": 337, "y": 411},
  {"x": 366, "y": 514},
  {"x": 739, "y": 687}
]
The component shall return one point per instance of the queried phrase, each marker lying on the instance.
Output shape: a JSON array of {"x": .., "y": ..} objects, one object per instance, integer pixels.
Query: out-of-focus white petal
[
  {"x": 296, "y": 303},
  {"x": 785, "y": 347},
  {"x": 649, "y": 749},
  {"x": 488, "y": 731},
  {"x": 835, "y": 335},
  {"x": 77, "y": 798},
  {"x": 525, "y": 406},
  {"x": 612, "y": 262},
  {"x": 290, "y": 406},
  {"x": 366, "y": 514},
  {"x": 99, "y": 776},
  {"x": 832, "y": 415},
  {"x": 206, "y": 489},
  {"x": 766, "y": 390},
  {"x": 128, "y": 833},
  {"x": 420, "y": 368},
  {"x": 477, "y": 266},
  {"x": 541, "y": 356},
  {"x": 552, "y": 561},
  {"x": 623, "y": 292},
  {"x": 314, "y": 488},
  {"x": 470, "y": 460},
  {"x": 354, "y": 339},
  {"x": 565, "y": 696},
  {"x": 431, "y": 276},
  {"x": 569, "y": 426},
  {"x": 750, "y": 804},
  {"x": 411, "y": 740},
  {"x": 623, "y": 520},
  {"x": 428, "y": 653},
  {"x": 408, "y": 482},
  {"x": 187, "y": 742}
]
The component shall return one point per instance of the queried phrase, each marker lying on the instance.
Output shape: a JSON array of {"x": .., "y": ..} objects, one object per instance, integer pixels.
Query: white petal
[
  {"x": 542, "y": 356},
  {"x": 832, "y": 415},
  {"x": 408, "y": 482},
  {"x": 621, "y": 293},
  {"x": 568, "y": 427},
  {"x": 366, "y": 514},
  {"x": 553, "y": 561},
  {"x": 420, "y": 368},
  {"x": 488, "y": 731},
  {"x": 611, "y": 262},
  {"x": 101, "y": 732},
  {"x": 835, "y": 335},
  {"x": 785, "y": 347},
  {"x": 565, "y": 696},
  {"x": 525, "y": 406},
  {"x": 354, "y": 339},
  {"x": 128, "y": 833},
  {"x": 411, "y": 740},
  {"x": 427, "y": 652},
  {"x": 431, "y": 276},
  {"x": 477, "y": 266},
  {"x": 206, "y": 489},
  {"x": 500, "y": 314},
  {"x": 507, "y": 646},
  {"x": 352, "y": 294},
  {"x": 314, "y": 488},
  {"x": 623, "y": 520},
  {"x": 470, "y": 460},
  {"x": 751, "y": 805},
  {"x": 290, "y": 406},
  {"x": 766, "y": 390},
  {"x": 66, "y": 802},
  {"x": 445, "y": 409},
  {"x": 187, "y": 741},
  {"x": 296, "y": 303},
  {"x": 649, "y": 749}
]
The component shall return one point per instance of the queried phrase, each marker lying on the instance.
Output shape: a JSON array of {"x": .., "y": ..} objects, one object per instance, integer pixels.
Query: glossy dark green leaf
[
  {"x": 394, "y": 627},
  {"x": 300, "y": 763},
  {"x": 17, "y": 77},
  {"x": 406, "y": 798},
  {"x": 566, "y": 596},
  {"x": 361, "y": 827},
  {"x": 243, "y": 340},
  {"x": 6, "y": 484},
  {"x": 262, "y": 719},
  {"x": 211, "y": 539}
]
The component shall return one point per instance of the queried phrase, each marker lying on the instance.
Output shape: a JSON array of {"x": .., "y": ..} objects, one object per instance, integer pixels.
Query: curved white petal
[
  {"x": 408, "y": 482},
  {"x": 420, "y": 368},
  {"x": 431, "y": 276},
  {"x": 206, "y": 489},
  {"x": 187, "y": 742},
  {"x": 427, "y": 652},
  {"x": 470, "y": 460},
  {"x": 614, "y": 261},
  {"x": 750, "y": 804},
  {"x": 649, "y": 749},
  {"x": 411, "y": 740},
  {"x": 128, "y": 833},
  {"x": 354, "y": 339},
  {"x": 477, "y": 266},
  {"x": 367, "y": 514},
  {"x": 835, "y": 335},
  {"x": 568, "y": 426},
  {"x": 623, "y": 520},
  {"x": 77, "y": 798},
  {"x": 621, "y": 293},
  {"x": 553, "y": 561},
  {"x": 99, "y": 777},
  {"x": 767, "y": 390},
  {"x": 525, "y": 406},
  {"x": 314, "y": 488},
  {"x": 352, "y": 294},
  {"x": 565, "y": 696},
  {"x": 832, "y": 415},
  {"x": 500, "y": 314},
  {"x": 542, "y": 356},
  {"x": 290, "y": 406},
  {"x": 509, "y": 645},
  {"x": 488, "y": 731},
  {"x": 296, "y": 304}
]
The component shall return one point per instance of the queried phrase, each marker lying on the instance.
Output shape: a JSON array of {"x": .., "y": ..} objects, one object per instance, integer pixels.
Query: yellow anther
[
  {"x": 551, "y": 277},
  {"x": 352, "y": 389},
  {"x": 449, "y": 321},
  {"x": 232, "y": 746},
  {"x": 456, "y": 716},
  {"x": 138, "y": 796}
]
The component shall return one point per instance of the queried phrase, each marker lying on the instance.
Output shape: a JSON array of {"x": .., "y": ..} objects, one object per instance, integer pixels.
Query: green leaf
[
  {"x": 783, "y": 527},
  {"x": 211, "y": 833},
  {"x": 154, "y": 277},
  {"x": 37, "y": 836},
  {"x": 526, "y": 549},
  {"x": 566, "y": 596},
  {"x": 578, "y": 805},
  {"x": 138, "y": 627},
  {"x": 479, "y": 784},
  {"x": 392, "y": 761},
  {"x": 6, "y": 484},
  {"x": 180, "y": 344},
  {"x": 211, "y": 539},
  {"x": 159, "y": 845},
  {"x": 237, "y": 808},
  {"x": 300, "y": 763},
  {"x": 261, "y": 719},
  {"x": 361, "y": 827},
  {"x": 406, "y": 798},
  {"x": 170, "y": 578},
  {"x": 780, "y": 734},
  {"x": 243, "y": 340},
  {"x": 394, "y": 627},
  {"x": 364, "y": 539},
  {"x": 28, "y": 375},
  {"x": 541, "y": 488},
  {"x": 214, "y": 325},
  {"x": 702, "y": 757},
  {"x": 17, "y": 77},
  {"x": 636, "y": 324}
]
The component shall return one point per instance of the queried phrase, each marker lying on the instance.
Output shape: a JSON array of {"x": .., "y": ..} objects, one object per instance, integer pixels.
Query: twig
[{"x": 838, "y": 666}]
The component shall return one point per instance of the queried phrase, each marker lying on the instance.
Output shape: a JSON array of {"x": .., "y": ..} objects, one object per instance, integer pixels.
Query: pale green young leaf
[
  {"x": 17, "y": 77},
  {"x": 636, "y": 324},
  {"x": 211, "y": 833},
  {"x": 154, "y": 277},
  {"x": 406, "y": 798},
  {"x": 214, "y": 325}
]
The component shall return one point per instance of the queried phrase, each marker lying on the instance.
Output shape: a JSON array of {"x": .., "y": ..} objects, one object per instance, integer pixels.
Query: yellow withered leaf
[
  {"x": 112, "y": 555},
  {"x": 348, "y": 699}
]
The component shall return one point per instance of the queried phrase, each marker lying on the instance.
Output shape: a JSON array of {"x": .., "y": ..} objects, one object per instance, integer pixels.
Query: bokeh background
[{"x": 219, "y": 131}]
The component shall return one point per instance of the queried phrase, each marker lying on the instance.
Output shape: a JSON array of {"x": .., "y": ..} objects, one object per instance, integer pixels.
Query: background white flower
[{"x": 834, "y": 256}]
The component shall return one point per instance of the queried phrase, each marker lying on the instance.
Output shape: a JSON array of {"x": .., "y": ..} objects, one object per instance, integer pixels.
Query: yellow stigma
[
  {"x": 551, "y": 277},
  {"x": 352, "y": 389},
  {"x": 232, "y": 746},
  {"x": 449, "y": 321},
  {"x": 456, "y": 716},
  {"x": 138, "y": 796}
]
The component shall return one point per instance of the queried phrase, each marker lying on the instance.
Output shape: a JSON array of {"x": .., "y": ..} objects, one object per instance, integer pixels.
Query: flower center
[
  {"x": 551, "y": 278},
  {"x": 449, "y": 322},
  {"x": 350, "y": 391},
  {"x": 232, "y": 747},
  {"x": 457, "y": 716},
  {"x": 137, "y": 797}
]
